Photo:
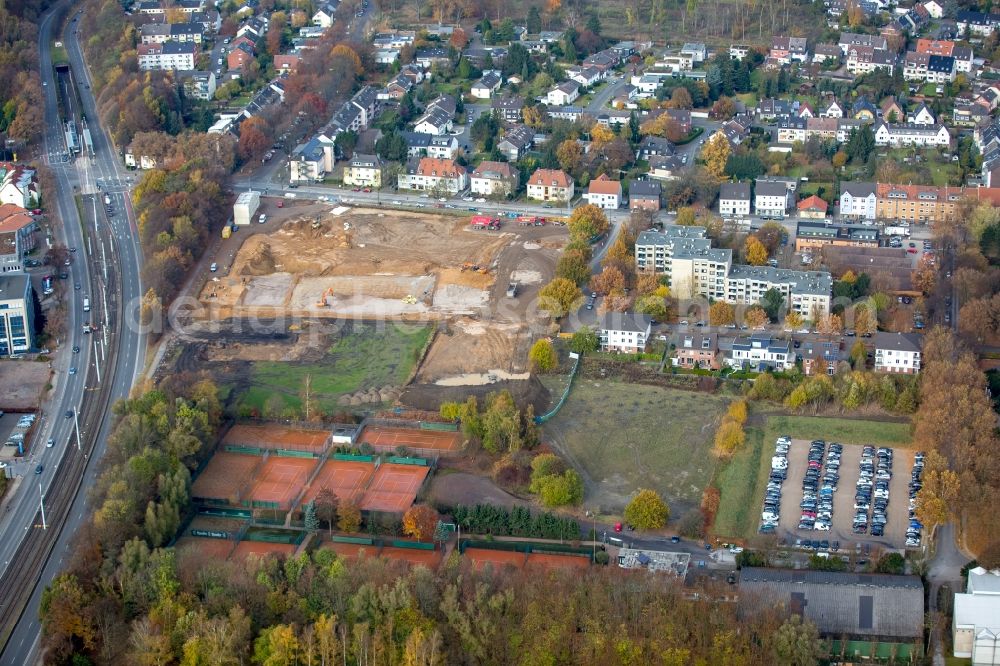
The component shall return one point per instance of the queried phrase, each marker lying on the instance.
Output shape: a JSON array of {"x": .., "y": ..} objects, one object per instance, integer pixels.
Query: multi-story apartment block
[
  {"x": 897, "y": 353},
  {"x": 805, "y": 292},
  {"x": 363, "y": 171},
  {"x": 652, "y": 247},
  {"x": 911, "y": 134},
  {"x": 734, "y": 200},
  {"x": 166, "y": 56}
]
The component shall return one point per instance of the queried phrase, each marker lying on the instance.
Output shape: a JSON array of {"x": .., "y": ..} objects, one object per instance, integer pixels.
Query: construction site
[{"x": 317, "y": 267}]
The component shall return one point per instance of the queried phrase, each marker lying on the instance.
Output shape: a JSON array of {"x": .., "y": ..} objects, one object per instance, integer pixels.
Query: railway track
[{"x": 21, "y": 579}]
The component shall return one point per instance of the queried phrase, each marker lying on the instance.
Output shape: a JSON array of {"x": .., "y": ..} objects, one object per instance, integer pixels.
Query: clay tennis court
[
  {"x": 387, "y": 438},
  {"x": 209, "y": 549},
  {"x": 483, "y": 557},
  {"x": 224, "y": 476},
  {"x": 273, "y": 436},
  {"x": 394, "y": 487},
  {"x": 261, "y": 549},
  {"x": 344, "y": 478},
  {"x": 553, "y": 561},
  {"x": 281, "y": 479}
]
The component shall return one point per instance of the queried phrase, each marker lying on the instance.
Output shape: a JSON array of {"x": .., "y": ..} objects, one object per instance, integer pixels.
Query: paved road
[{"x": 122, "y": 254}]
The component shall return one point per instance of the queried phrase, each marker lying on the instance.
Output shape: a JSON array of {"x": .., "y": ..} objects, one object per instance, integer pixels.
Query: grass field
[
  {"x": 362, "y": 358},
  {"x": 742, "y": 479},
  {"x": 630, "y": 436}
]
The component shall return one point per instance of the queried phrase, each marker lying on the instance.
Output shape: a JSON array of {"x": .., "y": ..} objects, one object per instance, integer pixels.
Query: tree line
[{"x": 21, "y": 104}]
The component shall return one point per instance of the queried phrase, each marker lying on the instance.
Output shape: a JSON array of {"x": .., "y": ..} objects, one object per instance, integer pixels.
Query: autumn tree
[
  {"x": 348, "y": 516},
  {"x": 830, "y": 324},
  {"x": 754, "y": 251},
  {"x": 925, "y": 277},
  {"x": 715, "y": 154},
  {"x": 574, "y": 265},
  {"x": 755, "y": 317},
  {"x": 586, "y": 222},
  {"x": 254, "y": 137},
  {"x": 585, "y": 340},
  {"x": 680, "y": 98},
  {"x": 420, "y": 521},
  {"x": 559, "y": 297},
  {"x": 797, "y": 643},
  {"x": 326, "y": 507},
  {"x": 647, "y": 511},
  {"x": 865, "y": 321},
  {"x": 721, "y": 313},
  {"x": 607, "y": 281},
  {"x": 793, "y": 321},
  {"x": 542, "y": 356},
  {"x": 686, "y": 217},
  {"x": 771, "y": 234},
  {"x": 569, "y": 154}
]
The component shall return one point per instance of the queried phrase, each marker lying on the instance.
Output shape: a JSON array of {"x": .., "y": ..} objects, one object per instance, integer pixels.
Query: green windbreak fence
[
  {"x": 274, "y": 536},
  {"x": 444, "y": 427},
  {"x": 239, "y": 448},
  {"x": 287, "y": 453},
  {"x": 555, "y": 410},
  {"x": 415, "y": 545},
  {"x": 526, "y": 547},
  {"x": 356, "y": 457},
  {"x": 895, "y": 652},
  {"x": 225, "y": 512},
  {"x": 418, "y": 462},
  {"x": 363, "y": 541}
]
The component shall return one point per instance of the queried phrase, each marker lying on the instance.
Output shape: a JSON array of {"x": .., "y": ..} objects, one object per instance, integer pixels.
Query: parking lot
[{"x": 843, "y": 499}]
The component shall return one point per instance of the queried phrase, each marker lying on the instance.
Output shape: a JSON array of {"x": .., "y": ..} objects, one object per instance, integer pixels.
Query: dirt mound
[
  {"x": 429, "y": 397},
  {"x": 258, "y": 260}
]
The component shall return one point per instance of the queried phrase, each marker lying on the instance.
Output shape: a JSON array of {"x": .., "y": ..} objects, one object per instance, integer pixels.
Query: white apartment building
[
  {"x": 758, "y": 351},
  {"x": 624, "y": 332},
  {"x": 694, "y": 271},
  {"x": 604, "y": 193},
  {"x": 734, "y": 200},
  {"x": 911, "y": 134},
  {"x": 166, "y": 56},
  {"x": 897, "y": 353},
  {"x": 493, "y": 179},
  {"x": 363, "y": 171},
  {"x": 770, "y": 199},
  {"x": 858, "y": 200},
  {"x": 806, "y": 292},
  {"x": 652, "y": 247}
]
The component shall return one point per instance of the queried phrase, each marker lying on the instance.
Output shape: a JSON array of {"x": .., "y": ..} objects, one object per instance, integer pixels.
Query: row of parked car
[
  {"x": 771, "y": 514},
  {"x": 871, "y": 500},
  {"x": 819, "y": 485},
  {"x": 915, "y": 530}
]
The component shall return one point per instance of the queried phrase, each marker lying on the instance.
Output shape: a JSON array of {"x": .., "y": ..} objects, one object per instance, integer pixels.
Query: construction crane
[{"x": 323, "y": 301}]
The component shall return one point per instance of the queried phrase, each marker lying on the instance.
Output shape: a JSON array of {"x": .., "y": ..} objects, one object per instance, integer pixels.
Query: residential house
[
  {"x": 925, "y": 204},
  {"x": 697, "y": 50},
  {"x": 286, "y": 64},
  {"x": 813, "y": 234},
  {"x": 771, "y": 199},
  {"x": 976, "y": 23},
  {"x": 570, "y": 113},
  {"x": 759, "y": 352},
  {"x": 785, "y": 50},
  {"x": 516, "y": 142},
  {"x": 419, "y": 144},
  {"x": 739, "y": 51},
  {"x": 849, "y": 40},
  {"x": 644, "y": 195},
  {"x": 565, "y": 93},
  {"x": 882, "y": 612},
  {"x": 508, "y": 108},
  {"x": 811, "y": 352},
  {"x": 19, "y": 186},
  {"x": 356, "y": 114},
  {"x": 897, "y": 353},
  {"x": 654, "y": 145},
  {"x": 697, "y": 350},
  {"x": 324, "y": 15},
  {"x": 891, "y": 110},
  {"x": 197, "y": 85},
  {"x": 166, "y": 56},
  {"x": 17, "y": 314},
  {"x": 975, "y": 625},
  {"x": 791, "y": 130},
  {"x": 682, "y": 117},
  {"x": 769, "y": 109},
  {"x": 911, "y": 134},
  {"x": 313, "y": 160},
  {"x": 865, "y": 59},
  {"x": 964, "y": 58},
  {"x": 239, "y": 57},
  {"x": 826, "y": 54},
  {"x": 586, "y": 76},
  {"x": 363, "y": 171},
  {"x": 665, "y": 167},
  {"x": 431, "y": 174},
  {"x": 497, "y": 179},
  {"x": 812, "y": 208},
  {"x": 935, "y": 8},
  {"x": 604, "y": 193},
  {"x": 734, "y": 200},
  {"x": 847, "y": 125},
  {"x": 625, "y": 332},
  {"x": 428, "y": 56},
  {"x": 488, "y": 84},
  {"x": 160, "y": 33},
  {"x": 833, "y": 110},
  {"x": 550, "y": 185},
  {"x": 863, "y": 109},
  {"x": 822, "y": 128},
  {"x": 435, "y": 121},
  {"x": 921, "y": 116}
]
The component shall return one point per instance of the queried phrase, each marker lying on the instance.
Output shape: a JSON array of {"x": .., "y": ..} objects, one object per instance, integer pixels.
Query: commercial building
[
  {"x": 898, "y": 353},
  {"x": 809, "y": 235},
  {"x": 866, "y": 616},
  {"x": 655, "y": 560},
  {"x": 17, "y": 314},
  {"x": 976, "y": 621},
  {"x": 246, "y": 205}
]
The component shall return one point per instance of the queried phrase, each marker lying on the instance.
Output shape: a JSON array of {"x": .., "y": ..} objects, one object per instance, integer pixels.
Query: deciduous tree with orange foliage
[
  {"x": 755, "y": 252},
  {"x": 419, "y": 522}
]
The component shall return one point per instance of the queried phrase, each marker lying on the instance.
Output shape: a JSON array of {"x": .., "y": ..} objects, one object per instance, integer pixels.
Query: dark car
[
  {"x": 38, "y": 470},
  {"x": 69, "y": 413},
  {"x": 76, "y": 350}
]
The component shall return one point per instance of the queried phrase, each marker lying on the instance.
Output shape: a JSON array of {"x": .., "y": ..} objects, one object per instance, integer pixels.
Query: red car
[
  {"x": 618, "y": 527},
  {"x": 37, "y": 211},
  {"x": 356, "y": 189},
  {"x": 367, "y": 190}
]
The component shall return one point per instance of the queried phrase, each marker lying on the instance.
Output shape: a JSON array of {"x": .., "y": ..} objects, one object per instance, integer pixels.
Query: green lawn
[
  {"x": 630, "y": 436},
  {"x": 742, "y": 479},
  {"x": 957, "y": 661},
  {"x": 362, "y": 358}
]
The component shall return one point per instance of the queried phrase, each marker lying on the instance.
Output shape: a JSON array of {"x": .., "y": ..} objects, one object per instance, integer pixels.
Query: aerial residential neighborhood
[{"x": 381, "y": 332}]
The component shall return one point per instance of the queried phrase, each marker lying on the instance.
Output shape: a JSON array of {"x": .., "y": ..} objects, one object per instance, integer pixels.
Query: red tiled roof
[
  {"x": 550, "y": 177},
  {"x": 604, "y": 185},
  {"x": 436, "y": 166},
  {"x": 813, "y": 203}
]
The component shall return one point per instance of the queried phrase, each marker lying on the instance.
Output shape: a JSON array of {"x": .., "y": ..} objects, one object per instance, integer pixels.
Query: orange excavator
[{"x": 323, "y": 301}]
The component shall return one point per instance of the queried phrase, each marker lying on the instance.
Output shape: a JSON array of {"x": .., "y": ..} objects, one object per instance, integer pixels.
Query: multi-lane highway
[{"x": 106, "y": 263}]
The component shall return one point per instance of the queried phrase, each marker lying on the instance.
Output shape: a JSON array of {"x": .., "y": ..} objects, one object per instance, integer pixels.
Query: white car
[
  {"x": 214, "y": 267},
  {"x": 822, "y": 527}
]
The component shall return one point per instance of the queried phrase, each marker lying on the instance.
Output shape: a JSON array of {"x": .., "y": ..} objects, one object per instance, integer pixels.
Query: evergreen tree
[{"x": 311, "y": 521}]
